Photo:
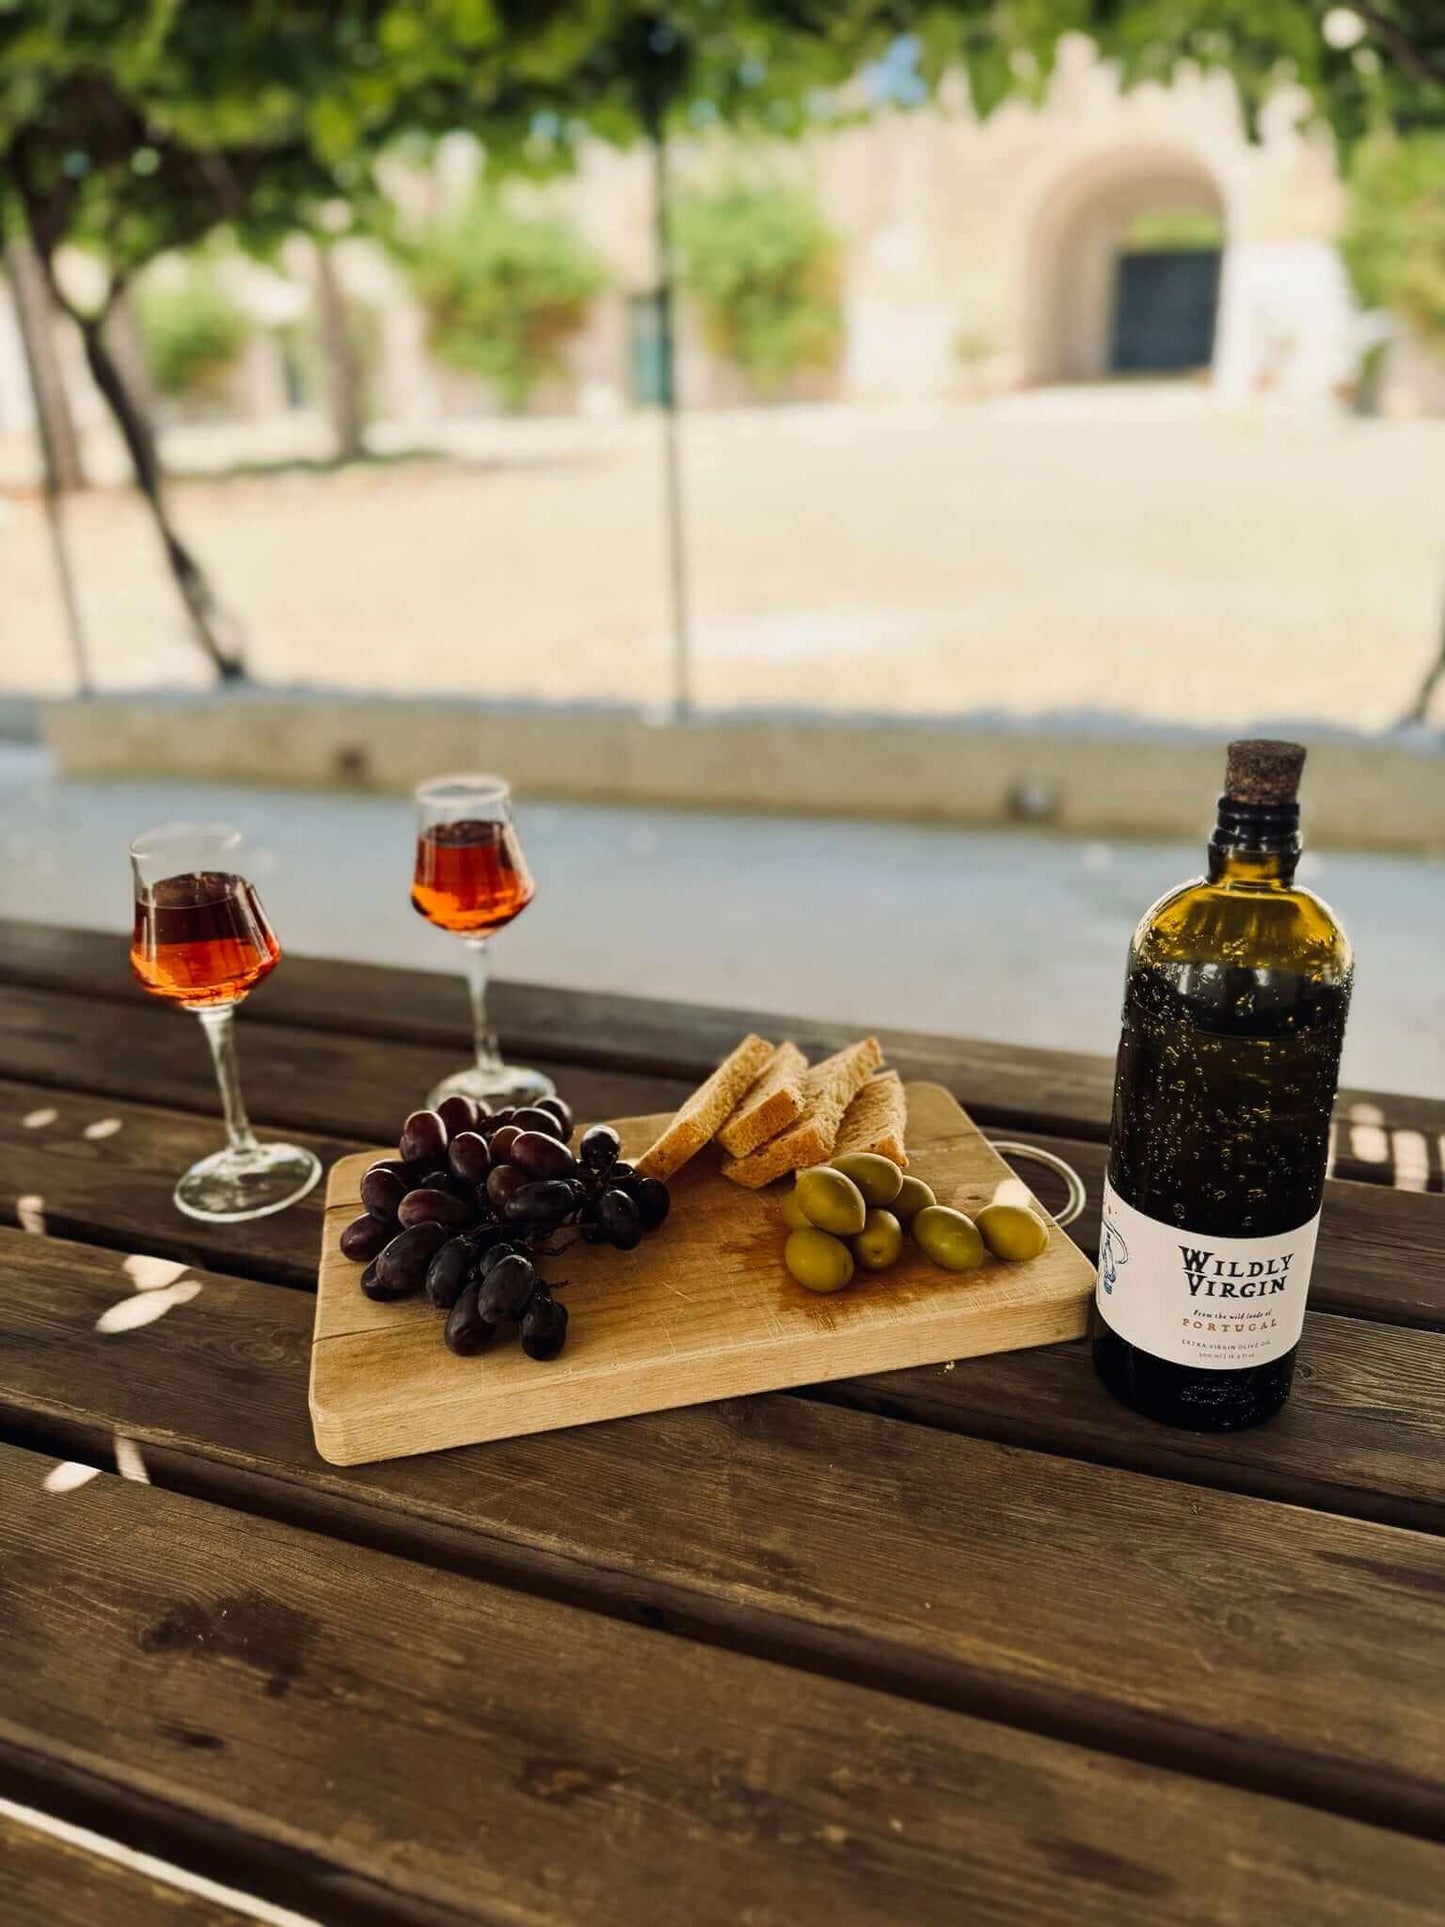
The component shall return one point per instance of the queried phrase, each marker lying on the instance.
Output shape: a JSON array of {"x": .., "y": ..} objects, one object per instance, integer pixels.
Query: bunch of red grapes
[{"x": 474, "y": 1196}]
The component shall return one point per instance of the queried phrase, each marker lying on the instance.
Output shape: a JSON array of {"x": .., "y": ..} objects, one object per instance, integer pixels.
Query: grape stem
[
  {"x": 541, "y": 1249},
  {"x": 479, "y": 969}
]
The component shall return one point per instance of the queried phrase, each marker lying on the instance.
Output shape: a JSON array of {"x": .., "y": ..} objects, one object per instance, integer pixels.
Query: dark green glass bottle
[{"x": 1234, "y": 1016}]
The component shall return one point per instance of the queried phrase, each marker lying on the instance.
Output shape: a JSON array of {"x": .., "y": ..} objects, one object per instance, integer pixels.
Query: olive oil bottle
[{"x": 1234, "y": 1015}]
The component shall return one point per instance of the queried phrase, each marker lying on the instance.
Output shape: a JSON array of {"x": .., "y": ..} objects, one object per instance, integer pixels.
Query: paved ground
[
  {"x": 1128, "y": 550},
  {"x": 991, "y": 934}
]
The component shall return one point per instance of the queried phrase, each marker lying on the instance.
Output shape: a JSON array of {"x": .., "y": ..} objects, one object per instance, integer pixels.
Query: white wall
[{"x": 1287, "y": 322}]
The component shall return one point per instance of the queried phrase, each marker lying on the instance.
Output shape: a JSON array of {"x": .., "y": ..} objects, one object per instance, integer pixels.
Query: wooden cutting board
[{"x": 703, "y": 1309}]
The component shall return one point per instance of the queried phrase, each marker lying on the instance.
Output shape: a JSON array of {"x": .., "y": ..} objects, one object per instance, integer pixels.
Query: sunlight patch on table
[{"x": 131, "y": 1313}]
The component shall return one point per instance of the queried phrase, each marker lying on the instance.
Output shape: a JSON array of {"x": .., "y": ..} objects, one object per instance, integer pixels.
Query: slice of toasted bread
[
  {"x": 775, "y": 1101},
  {"x": 709, "y": 1106},
  {"x": 831, "y": 1088},
  {"x": 876, "y": 1120}
]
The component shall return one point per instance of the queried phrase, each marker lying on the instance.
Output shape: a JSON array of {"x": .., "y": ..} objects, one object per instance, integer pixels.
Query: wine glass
[
  {"x": 471, "y": 878},
  {"x": 201, "y": 940}
]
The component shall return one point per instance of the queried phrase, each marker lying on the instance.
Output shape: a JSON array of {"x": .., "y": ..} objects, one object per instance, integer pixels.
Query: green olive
[
  {"x": 793, "y": 1212},
  {"x": 879, "y": 1179},
  {"x": 948, "y": 1237},
  {"x": 818, "y": 1261},
  {"x": 878, "y": 1244},
  {"x": 913, "y": 1195},
  {"x": 830, "y": 1201},
  {"x": 1012, "y": 1231}
]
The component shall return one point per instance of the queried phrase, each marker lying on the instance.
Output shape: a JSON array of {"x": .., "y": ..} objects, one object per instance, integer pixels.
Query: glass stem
[
  {"x": 479, "y": 965},
  {"x": 220, "y": 1028}
]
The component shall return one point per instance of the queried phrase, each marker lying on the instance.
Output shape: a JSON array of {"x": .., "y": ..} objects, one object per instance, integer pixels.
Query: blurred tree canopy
[
  {"x": 138, "y": 126},
  {"x": 504, "y": 292},
  {"x": 765, "y": 269},
  {"x": 1394, "y": 240}
]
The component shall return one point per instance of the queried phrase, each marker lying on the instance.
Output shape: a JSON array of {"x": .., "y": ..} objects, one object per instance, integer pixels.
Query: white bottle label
[{"x": 1214, "y": 1303}]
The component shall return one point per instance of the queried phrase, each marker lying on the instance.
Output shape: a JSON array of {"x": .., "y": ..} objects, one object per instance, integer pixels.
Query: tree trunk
[
  {"x": 54, "y": 423},
  {"x": 140, "y": 445},
  {"x": 127, "y": 349},
  {"x": 1419, "y": 710},
  {"x": 340, "y": 365}
]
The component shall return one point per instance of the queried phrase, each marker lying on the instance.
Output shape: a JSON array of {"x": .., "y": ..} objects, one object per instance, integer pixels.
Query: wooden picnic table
[{"x": 969, "y": 1643}]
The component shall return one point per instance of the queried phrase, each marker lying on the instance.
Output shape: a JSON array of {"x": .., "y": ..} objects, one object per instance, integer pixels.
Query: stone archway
[{"x": 1093, "y": 303}]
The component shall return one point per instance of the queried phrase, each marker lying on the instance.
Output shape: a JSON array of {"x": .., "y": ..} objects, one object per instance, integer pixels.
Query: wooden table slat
[
  {"x": 277, "y": 1683},
  {"x": 1363, "y": 1434},
  {"x": 953, "y": 1569},
  {"x": 1068, "y": 1092},
  {"x": 1382, "y": 1255},
  {"x": 294, "y": 1079},
  {"x": 47, "y": 1881}
]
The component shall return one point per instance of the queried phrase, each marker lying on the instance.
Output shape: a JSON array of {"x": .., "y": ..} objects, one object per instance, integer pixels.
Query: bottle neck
[{"x": 1255, "y": 844}]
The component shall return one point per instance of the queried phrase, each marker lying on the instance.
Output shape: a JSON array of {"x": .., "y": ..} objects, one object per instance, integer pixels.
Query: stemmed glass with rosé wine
[
  {"x": 201, "y": 940},
  {"x": 471, "y": 878}
]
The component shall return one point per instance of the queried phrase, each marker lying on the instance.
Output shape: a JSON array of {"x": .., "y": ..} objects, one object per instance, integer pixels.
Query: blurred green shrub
[
  {"x": 194, "y": 332},
  {"x": 504, "y": 292},
  {"x": 1394, "y": 239},
  {"x": 1174, "y": 230},
  {"x": 765, "y": 270}
]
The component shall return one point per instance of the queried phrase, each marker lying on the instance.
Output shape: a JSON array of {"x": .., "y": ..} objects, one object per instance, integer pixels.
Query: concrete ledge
[{"x": 1095, "y": 775}]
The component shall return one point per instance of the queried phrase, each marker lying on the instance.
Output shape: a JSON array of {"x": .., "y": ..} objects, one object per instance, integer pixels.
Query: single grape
[
  {"x": 599, "y": 1147},
  {"x": 469, "y": 1157},
  {"x": 447, "y": 1272},
  {"x": 619, "y": 1219},
  {"x": 365, "y": 1236},
  {"x": 424, "y": 1139},
  {"x": 458, "y": 1113},
  {"x": 544, "y": 1327},
  {"x": 503, "y": 1248},
  {"x": 561, "y": 1110},
  {"x": 622, "y": 1171},
  {"x": 431, "y": 1206},
  {"x": 541, "y": 1156},
  {"x": 541, "y": 1207},
  {"x": 382, "y": 1192},
  {"x": 503, "y": 1182},
  {"x": 500, "y": 1143},
  {"x": 387, "y": 1164},
  {"x": 534, "y": 1118},
  {"x": 466, "y": 1332},
  {"x": 653, "y": 1201},
  {"x": 402, "y": 1267},
  {"x": 503, "y": 1293}
]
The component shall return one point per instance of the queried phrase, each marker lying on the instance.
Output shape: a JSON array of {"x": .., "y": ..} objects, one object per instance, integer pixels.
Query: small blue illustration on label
[{"x": 1113, "y": 1253}]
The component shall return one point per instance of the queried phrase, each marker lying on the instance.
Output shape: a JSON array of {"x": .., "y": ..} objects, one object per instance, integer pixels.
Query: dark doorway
[{"x": 1165, "y": 302}]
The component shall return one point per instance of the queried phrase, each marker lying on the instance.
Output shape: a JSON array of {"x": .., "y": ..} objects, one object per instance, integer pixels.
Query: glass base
[
  {"x": 230, "y": 1186},
  {"x": 500, "y": 1085}
]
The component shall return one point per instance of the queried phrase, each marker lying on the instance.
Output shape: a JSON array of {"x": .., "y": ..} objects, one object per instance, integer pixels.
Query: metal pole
[{"x": 672, "y": 452}]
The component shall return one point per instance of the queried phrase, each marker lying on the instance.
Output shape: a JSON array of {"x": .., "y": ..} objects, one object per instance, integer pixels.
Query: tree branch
[
  {"x": 1391, "y": 35},
  {"x": 1419, "y": 710}
]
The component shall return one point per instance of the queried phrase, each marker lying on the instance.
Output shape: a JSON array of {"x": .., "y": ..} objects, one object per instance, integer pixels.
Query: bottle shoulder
[{"x": 1255, "y": 927}]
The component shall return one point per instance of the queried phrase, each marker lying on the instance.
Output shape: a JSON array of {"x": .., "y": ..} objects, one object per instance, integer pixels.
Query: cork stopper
[{"x": 1263, "y": 774}]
